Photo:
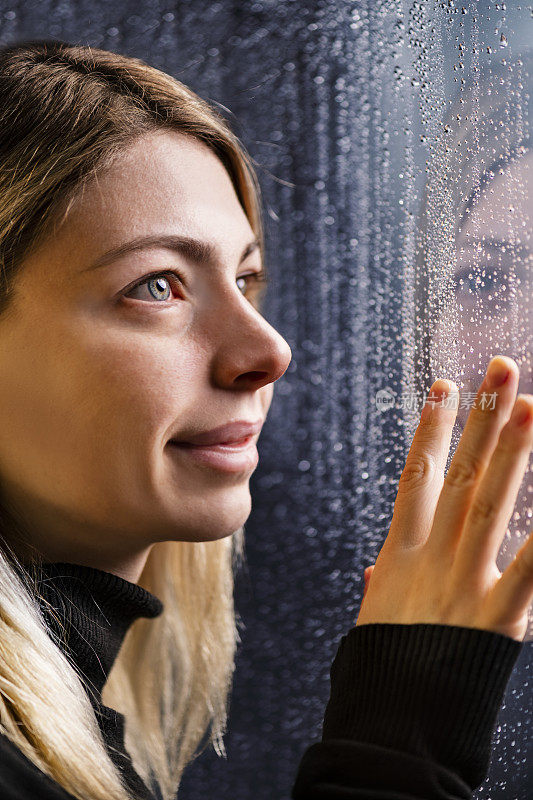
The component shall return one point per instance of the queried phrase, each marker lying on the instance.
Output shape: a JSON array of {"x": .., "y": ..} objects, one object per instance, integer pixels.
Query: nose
[{"x": 249, "y": 352}]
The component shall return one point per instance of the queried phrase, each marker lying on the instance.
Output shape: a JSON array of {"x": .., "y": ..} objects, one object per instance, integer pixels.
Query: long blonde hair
[{"x": 66, "y": 112}]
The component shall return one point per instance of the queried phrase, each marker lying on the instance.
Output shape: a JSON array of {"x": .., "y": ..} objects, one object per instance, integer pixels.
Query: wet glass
[{"x": 392, "y": 142}]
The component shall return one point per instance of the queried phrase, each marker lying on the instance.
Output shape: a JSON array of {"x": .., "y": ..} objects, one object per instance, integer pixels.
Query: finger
[
  {"x": 513, "y": 593},
  {"x": 423, "y": 473},
  {"x": 495, "y": 498},
  {"x": 473, "y": 453},
  {"x": 368, "y": 574}
]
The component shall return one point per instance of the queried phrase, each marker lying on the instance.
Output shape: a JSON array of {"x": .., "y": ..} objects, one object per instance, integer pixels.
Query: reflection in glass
[{"x": 474, "y": 262}]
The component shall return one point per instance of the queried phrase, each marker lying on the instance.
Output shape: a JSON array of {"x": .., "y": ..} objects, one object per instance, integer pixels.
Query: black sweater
[{"x": 410, "y": 715}]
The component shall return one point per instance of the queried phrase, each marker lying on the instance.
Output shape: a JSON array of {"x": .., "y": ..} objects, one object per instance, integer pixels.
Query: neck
[
  {"x": 59, "y": 541},
  {"x": 128, "y": 566}
]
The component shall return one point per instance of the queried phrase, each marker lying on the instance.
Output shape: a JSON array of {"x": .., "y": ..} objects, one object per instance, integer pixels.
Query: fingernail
[
  {"x": 440, "y": 389},
  {"x": 498, "y": 373},
  {"x": 438, "y": 394}
]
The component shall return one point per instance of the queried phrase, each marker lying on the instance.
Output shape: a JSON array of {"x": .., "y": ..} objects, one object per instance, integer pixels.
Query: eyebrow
[
  {"x": 196, "y": 250},
  {"x": 496, "y": 245}
]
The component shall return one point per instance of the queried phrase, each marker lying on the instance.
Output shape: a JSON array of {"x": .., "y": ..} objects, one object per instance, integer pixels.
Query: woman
[
  {"x": 484, "y": 172},
  {"x": 130, "y": 331},
  {"x": 477, "y": 210}
]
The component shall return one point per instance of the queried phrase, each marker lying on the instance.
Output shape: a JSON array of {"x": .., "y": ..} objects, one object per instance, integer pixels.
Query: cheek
[
  {"x": 138, "y": 388},
  {"x": 478, "y": 341},
  {"x": 42, "y": 405},
  {"x": 78, "y": 404},
  {"x": 266, "y": 398},
  {"x": 482, "y": 330}
]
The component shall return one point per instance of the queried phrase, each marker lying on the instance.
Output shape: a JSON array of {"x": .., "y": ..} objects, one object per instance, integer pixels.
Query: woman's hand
[{"x": 438, "y": 562}]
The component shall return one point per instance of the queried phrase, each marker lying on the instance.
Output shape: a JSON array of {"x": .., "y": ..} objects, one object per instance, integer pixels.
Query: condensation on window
[{"x": 392, "y": 142}]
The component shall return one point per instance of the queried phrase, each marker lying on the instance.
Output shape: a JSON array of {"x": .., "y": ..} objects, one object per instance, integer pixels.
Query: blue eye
[
  {"x": 158, "y": 285},
  {"x": 469, "y": 283},
  {"x": 487, "y": 290},
  {"x": 258, "y": 284}
]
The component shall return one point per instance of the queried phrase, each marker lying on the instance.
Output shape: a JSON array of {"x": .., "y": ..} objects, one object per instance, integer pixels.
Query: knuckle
[
  {"x": 427, "y": 426},
  {"x": 418, "y": 471},
  {"x": 463, "y": 473},
  {"x": 483, "y": 509},
  {"x": 523, "y": 565}
]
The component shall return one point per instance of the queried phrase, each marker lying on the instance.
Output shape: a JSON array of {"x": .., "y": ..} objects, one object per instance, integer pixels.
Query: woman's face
[
  {"x": 493, "y": 276},
  {"x": 98, "y": 375},
  {"x": 494, "y": 309}
]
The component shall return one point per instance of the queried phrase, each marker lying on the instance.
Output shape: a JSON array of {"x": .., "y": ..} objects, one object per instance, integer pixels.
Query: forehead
[{"x": 164, "y": 183}]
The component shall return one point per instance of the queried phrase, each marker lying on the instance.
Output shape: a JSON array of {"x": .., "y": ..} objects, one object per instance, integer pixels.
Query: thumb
[{"x": 368, "y": 574}]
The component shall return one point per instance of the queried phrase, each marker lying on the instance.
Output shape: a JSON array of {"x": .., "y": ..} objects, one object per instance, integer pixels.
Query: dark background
[{"x": 306, "y": 86}]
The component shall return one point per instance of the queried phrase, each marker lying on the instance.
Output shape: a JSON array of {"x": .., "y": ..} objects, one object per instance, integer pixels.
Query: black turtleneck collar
[{"x": 91, "y": 611}]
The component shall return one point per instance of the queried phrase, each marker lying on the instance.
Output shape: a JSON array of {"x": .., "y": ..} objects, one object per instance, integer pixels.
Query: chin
[
  {"x": 233, "y": 511},
  {"x": 205, "y": 535},
  {"x": 216, "y": 516}
]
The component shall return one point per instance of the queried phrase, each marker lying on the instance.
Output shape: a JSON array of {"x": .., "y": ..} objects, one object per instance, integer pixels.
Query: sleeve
[
  {"x": 411, "y": 714},
  {"x": 21, "y": 779}
]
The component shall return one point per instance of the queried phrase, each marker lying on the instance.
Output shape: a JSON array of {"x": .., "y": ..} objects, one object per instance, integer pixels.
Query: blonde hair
[{"x": 67, "y": 112}]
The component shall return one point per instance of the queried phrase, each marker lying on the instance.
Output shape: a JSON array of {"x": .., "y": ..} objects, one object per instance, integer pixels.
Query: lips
[
  {"x": 232, "y": 434},
  {"x": 235, "y": 457},
  {"x": 228, "y": 446}
]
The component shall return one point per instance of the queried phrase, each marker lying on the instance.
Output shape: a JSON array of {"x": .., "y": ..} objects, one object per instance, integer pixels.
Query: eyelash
[
  {"x": 481, "y": 282},
  {"x": 259, "y": 280}
]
